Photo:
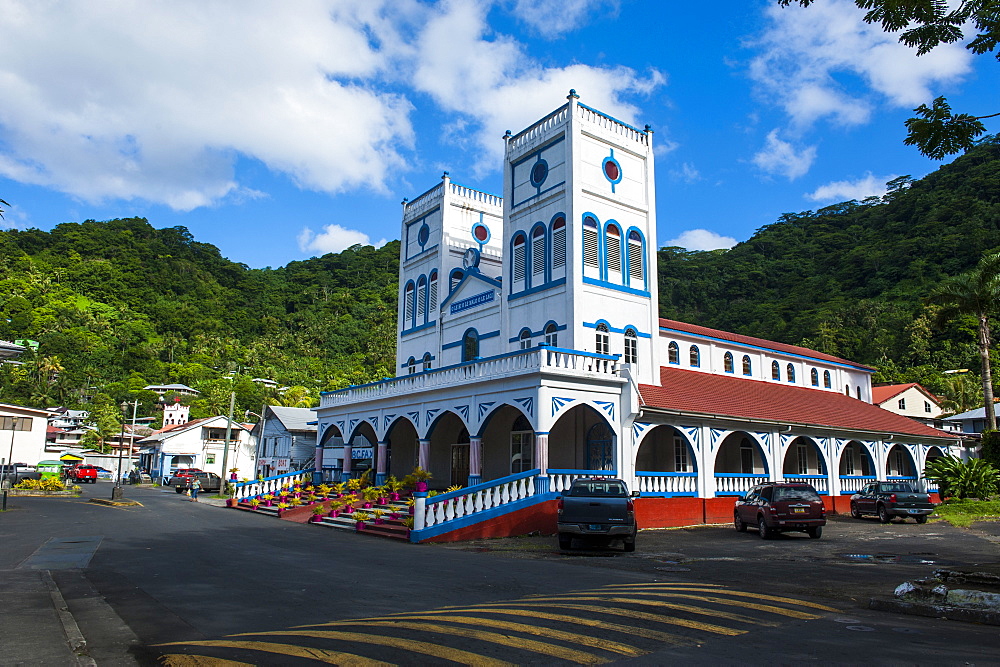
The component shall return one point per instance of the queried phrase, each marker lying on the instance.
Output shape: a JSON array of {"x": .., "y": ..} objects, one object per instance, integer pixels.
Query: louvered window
[
  {"x": 614, "y": 243},
  {"x": 421, "y": 299},
  {"x": 559, "y": 244},
  {"x": 408, "y": 306},
  {"x": 519, "y": 258},
  {"x": 538, "y": 255},
  {"x": 590, "y": 244},
  {"x": 636, "y": 269},
  {"x": 433, "y": 299}
]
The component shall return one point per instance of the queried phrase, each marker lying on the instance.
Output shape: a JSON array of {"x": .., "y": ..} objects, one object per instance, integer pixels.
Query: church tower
[
  {"x": 580, "y": 245},
  {"x": 449, "y": 278}
]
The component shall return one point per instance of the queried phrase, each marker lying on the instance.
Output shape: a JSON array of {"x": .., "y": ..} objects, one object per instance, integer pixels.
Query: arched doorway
[
  {"x": 804, "y": 462},
  {"x": 332, "y": 443},
  {"x": 740, "y": 464},
  {"x": 581, "y": 443},
  {"x": 401, "y": 448},
  {"x": 899, "y": 464},
  {"x": 929, "y": 485},
  {"x": 447, "y": 434},
  {"x": 508, "y": 443},
  {"x": 363, "y": 448},
  {"x": 665, "y": 464},
  {"x": 856, "y": 467}
]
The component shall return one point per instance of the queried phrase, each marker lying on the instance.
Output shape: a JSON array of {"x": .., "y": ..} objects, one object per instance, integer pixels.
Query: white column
[
  {"x": 542, "y": 452},
  {"x": 475, "y": 460},
  {"x": 706, "y": 463},
  {"x": 424, "y": 454},
  {"x": 347, "y": 461}
]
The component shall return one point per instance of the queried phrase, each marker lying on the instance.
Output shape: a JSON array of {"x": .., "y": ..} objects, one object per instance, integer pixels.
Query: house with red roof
[
  {"x": 914, "y": 401},
  {"x": 530, "y": 352}
]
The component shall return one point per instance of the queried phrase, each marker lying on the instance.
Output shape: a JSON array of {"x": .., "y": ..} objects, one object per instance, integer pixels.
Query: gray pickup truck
[
  {"x": 597, "y": 509},
  {"x": 891, "y": 499}
]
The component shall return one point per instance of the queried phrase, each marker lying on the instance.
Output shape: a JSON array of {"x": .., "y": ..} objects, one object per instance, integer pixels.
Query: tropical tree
[
  {"x": 925, "y": 24},
  {"x": 961, "y": 393},
  {"x": 975, "y": 293}
]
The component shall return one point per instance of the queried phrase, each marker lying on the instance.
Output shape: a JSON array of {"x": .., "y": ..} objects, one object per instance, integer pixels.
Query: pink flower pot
[
  {"x": 360, "y": 525},
  {"x": 348, "y": 510},
  {"x": 379, "y": 521},
  {"x": 381, "y": 501},
  {"x": 334, "y": 514},
  {"x": 394, "y": 496},
  {"x": 394, "y": 516},
  {"x": 367, "y": 504},
  {"x": 411, "y": 509},
  {"x": 268, "y": 503},
  {"x": 315, "y": 518},
  {"x": 421, "y": 486}
]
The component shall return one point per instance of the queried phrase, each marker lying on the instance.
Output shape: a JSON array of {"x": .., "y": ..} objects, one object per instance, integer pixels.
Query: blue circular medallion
[
  {"x": 423, "y": 235},
  {"x": 539, "y": 172}
]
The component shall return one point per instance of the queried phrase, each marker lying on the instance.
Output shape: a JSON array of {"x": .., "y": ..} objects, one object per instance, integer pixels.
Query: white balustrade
[
  {"x": 270, "y": 485},
  {"x": 528, "y": 136},
  {"x": 667, "y": 483},
  {"x": 853, "y": 483},
  {"x": 819, "y": 482},
  {"x": 737, "y": 483},
  {"x": 476, "y": 499},
  {"x": 476, "y": 195},
  {"x": 608, "y": 123}
]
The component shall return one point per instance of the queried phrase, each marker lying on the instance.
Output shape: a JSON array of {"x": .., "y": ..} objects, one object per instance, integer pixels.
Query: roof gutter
[{"x": 785, "y": 426}]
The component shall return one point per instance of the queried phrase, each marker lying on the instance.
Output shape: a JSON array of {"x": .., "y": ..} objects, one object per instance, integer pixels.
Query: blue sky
[{"x": 280, "y": 131}]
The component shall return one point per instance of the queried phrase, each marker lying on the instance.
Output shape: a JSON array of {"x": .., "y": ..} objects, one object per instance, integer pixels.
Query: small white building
[
  {"x": 197, "y": 444},
  {"x": 911, "y": 400},
  {"x": 285, "y": 440},
  {"x": 22, "y": 434}
]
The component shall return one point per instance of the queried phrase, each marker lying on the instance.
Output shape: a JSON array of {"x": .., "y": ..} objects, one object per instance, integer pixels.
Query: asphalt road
[{"x": 192, "y": 580}]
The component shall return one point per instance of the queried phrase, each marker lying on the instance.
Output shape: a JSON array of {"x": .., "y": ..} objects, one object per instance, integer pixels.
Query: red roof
[
  {"x": 727, "y": 396},
  {"x": 757, "y": 342},
  {"x": 882, "y": 393}
]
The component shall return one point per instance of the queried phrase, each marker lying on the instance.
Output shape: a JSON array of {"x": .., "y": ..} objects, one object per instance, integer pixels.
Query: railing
[
  {"x": 666, "y": 483},
  {"x": 262, "y": 487},
  {"x": 477, "y": 498},
  {"x": 819, "y": 482},
  {"x": 528, "y": 135},
  {"x": 736, "y": 484},
  {"x": 561, "y": 480},
  {"x": 536, "y": 359},
  {"x": 476, "y": 195},
  {"x": 852, "y": 483},
  {"x": 612, "y": 124},
  {"x": 423, "y": 199},
  {"x": 930, "y": 486}
]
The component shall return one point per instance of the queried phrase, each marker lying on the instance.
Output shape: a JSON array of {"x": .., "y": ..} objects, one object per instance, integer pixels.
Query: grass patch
[{"x": 964, "y": 513}]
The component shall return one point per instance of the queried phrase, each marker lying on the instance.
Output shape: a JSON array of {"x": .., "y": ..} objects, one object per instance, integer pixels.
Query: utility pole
[{"x": 225, "y": 447}]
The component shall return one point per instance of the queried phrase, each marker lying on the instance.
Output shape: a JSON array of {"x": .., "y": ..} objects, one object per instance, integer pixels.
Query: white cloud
[
  {"x": 109, "y": 100},
  {"x": 333, "y": 238},
  {"x": 687, "y": 173},
  {"x": 782, "y": 158},
  {"x": 702, "y": 239},
  {"x": 810, "y": 56},
  {"x": 554, "y": 18},
  {"x": 867, "y": 186}
]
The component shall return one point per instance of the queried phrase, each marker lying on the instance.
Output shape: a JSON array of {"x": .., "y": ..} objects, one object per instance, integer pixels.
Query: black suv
[{"x": 777, "y": 507}]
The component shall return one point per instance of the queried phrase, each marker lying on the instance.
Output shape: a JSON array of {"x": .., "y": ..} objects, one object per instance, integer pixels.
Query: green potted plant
[
  {"x": 370, "y": 494},
  {"x": 268, "y": 499},
  {"x": 317, "y": 514},
  {"x": 282, "y": 508},
  {"x": 254, "y": 503},
  {"x": 418, "y": 479},
  {"x": 339, "y": 488},
  {"x": 394, "y": 486},
  {"x": 408, "y": 524},
  {"x": 359, "y": 520},
  {"x": 378, "y": 514}
]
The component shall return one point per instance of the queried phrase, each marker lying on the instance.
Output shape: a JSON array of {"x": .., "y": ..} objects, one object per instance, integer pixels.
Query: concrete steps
[{"x": 389, "y": 528}]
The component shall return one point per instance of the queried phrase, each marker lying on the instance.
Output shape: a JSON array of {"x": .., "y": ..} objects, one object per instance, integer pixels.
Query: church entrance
[{"x": 460, "y": 465}]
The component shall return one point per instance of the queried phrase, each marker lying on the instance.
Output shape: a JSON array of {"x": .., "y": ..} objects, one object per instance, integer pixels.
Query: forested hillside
[
  {"x": 119, "y": 305},
  {"x": 850, "y": 279}
]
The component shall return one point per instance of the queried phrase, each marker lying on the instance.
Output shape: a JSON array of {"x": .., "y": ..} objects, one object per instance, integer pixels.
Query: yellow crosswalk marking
[
  {"x": 537, "y": 630},
  {"x": 662, "y": 637},
  {"x": 426, "y": 648},
  {"x": 781, "y": 611},
  {"x": 726, "y": 591},
  {"x": 318, "y": 654},
  {"x": 551, "y": 650},
  {"x": 704, "y": 611},
  {"x": 186, "y": 660}
]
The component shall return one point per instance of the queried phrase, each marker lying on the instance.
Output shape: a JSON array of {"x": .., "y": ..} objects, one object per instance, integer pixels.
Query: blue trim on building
[
  {"x": 539, "y": 194},
  {"x": 535, "y": 290},
  {"x": 617, "y": 288},
  {"x": 638, "y": 332},
  {"x": 426, "y": 325}
]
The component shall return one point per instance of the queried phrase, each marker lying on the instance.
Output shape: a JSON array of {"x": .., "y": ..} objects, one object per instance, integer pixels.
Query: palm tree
[{"x": 975, "y": 293}]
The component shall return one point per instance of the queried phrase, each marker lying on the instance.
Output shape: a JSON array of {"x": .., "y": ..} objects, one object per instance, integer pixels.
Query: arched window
[
  {"x": 522, "y": 446},
  {"x": 422, "y": 300},
  {"x": 613, "y": 248},
  {"x": 559, "y": 243},
  {"x": 525, "y": 339},
  {"x": 826, "y": 380},
  {"x": 847, "y": 389},
  {"x": 454, "y": 279},
  {"x": 408, "y": 294},
  {"x": 432, "y": 299},
  {"x": 602, "y": 343},
  {"x": 695, "y": 356},
  {"x": 814, "y": 377},
  {"x": 631, "y": 347},
  {"x": 635, "y": 258},
  {"x": 790, "y": 373},
  {"x": 673, "y": 353},
  {"x": 775, "y": 371},
  {"x": 411, "y": 366},
  {"x": 747, "y": 366},
  {"x": 518, "y": 268},
  {"x": 427, "y": 361},
  {"x": 470, "y": 345},
  {"x": 859, "y": 392},
  {"x": 727, "y": 363},
  {"x": 552, "y": 335},
  {"x": 538, "y": 255},
  {"x": 590, "y": 242}
]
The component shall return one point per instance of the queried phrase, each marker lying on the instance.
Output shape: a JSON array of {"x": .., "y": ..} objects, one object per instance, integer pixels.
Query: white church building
[{"x": 530, "y": 352}]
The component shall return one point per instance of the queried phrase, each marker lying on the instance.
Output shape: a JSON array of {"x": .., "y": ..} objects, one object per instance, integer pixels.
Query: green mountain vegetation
[{"x": 119, "y": 305}]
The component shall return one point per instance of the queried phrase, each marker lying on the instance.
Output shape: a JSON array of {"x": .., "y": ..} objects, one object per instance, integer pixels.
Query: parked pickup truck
[
  {"x": 597, "y": 508},
  {"x": 81, "y": 473},
  {"x": 890, "y": 499}
]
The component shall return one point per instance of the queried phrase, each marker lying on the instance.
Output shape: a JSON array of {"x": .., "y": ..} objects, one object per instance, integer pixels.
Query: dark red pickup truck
[{"x": 79, "y": 474}]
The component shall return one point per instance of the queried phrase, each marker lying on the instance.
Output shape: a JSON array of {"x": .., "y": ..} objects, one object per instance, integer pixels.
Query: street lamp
[{"x": 116, "y": 492}]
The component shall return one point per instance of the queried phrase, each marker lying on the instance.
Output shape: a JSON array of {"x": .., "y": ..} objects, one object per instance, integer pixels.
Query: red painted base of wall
[
  {"x": 539, "y": 518},
  {"x": 669, "y": 512}
]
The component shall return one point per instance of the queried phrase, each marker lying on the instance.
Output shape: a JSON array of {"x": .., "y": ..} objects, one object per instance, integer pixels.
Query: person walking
[{"x": 195, "y": 488}]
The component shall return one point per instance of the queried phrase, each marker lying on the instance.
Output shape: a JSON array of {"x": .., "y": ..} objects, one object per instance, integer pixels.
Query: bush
[
  {"x": 991, "y": 448},
  {"x": 974, "y": 478},
  {"x": 41, "y": 485}
]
